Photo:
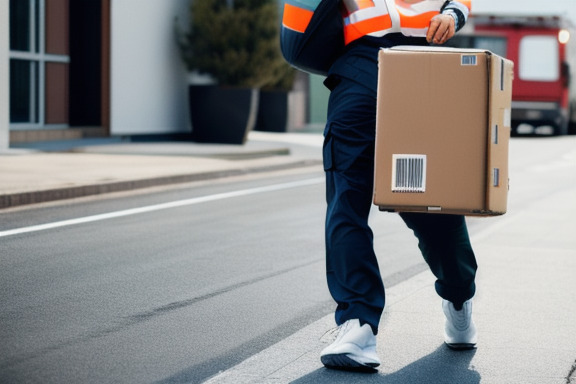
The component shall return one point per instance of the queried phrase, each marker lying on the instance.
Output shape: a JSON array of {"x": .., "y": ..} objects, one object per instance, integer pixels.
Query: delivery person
[{"x": 352, "y": 269}]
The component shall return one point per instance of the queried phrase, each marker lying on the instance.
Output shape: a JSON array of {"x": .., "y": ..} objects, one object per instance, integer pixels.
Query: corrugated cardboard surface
[
  {"x": 451, "y": 108},
  {"x": 499, "y": 113}
]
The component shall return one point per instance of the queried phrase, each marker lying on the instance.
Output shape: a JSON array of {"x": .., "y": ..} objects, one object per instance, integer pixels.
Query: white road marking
[{"x": 158, "y": 207}]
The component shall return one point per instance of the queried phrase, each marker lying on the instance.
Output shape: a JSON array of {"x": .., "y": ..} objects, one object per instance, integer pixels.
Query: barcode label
[
  {"x": 409, "y": 173},
  {"x": 468, "y": 60}
]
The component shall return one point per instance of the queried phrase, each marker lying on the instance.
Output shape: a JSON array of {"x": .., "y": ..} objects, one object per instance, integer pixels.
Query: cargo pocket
[{"x": 332, "y": 81}]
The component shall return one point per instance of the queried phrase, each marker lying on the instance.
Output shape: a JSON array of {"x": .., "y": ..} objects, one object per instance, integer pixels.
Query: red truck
[{"x": 543, "y": 49}]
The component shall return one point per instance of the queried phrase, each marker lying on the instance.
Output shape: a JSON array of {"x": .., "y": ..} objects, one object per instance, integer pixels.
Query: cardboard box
[{"x": 443, "y": 128}]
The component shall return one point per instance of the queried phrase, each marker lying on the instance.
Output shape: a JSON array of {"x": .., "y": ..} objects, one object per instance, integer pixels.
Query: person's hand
[{"x": 441, "y": 29}]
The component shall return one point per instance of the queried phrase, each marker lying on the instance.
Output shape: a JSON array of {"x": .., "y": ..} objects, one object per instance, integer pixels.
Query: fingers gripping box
[{"x": 442, "y": 131}]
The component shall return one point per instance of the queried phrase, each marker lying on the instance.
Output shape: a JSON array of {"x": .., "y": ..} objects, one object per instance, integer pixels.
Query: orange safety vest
[{"x": 380, "y": 17}]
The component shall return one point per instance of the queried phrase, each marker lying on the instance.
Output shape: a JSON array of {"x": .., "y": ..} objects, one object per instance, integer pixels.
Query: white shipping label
[
  {"x": 507, "y": 120},
  {"x": 408, "y": 173}
]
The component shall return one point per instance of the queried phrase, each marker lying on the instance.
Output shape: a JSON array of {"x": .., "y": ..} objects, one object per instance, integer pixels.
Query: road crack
[{"x": 571, "y": 378}]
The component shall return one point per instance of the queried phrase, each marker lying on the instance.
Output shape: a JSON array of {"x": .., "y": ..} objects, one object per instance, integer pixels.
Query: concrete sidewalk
[
  {"x": 525, "y": 311},
  {"x": 525, "y": 305},
  {"x": 30, "y": 176}
]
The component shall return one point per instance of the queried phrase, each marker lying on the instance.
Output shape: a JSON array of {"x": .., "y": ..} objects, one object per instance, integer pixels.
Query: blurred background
[
  {"x": 116, "y": 70},
  {"x": 539, "y": 37}
]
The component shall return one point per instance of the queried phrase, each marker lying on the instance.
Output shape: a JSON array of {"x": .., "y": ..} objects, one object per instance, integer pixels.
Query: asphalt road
[
  {"x": 524, "y": 308},
  {"x": 179, "y": 284},
  {"x": 212, "y": 274}
]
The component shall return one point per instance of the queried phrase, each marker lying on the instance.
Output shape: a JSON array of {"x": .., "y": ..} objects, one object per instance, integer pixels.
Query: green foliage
[
  {"x": 235, "y": 41},
  {"x": 283, "y": 77}
]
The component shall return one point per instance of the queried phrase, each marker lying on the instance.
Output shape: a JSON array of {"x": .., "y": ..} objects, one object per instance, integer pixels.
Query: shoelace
[{"x": 331, "y": 335}]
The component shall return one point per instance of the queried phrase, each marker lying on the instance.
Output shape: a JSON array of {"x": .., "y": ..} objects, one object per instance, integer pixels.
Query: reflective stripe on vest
[
  {"x": 296, "y": 18},
  {"x": 364, "y": 17},
  {"x": 415, "y": 18},
  {"x": 379, "y": 17}
]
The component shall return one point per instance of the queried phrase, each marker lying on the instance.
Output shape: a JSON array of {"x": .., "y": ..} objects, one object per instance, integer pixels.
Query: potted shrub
[
  {"x": 274, "y": 106},
  {"x": 235, "y": 42}
]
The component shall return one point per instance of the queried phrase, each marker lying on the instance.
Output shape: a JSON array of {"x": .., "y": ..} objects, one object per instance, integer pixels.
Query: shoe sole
[
  {"x": 461, "y": 346},
  {"x": 344, "y": 363}
]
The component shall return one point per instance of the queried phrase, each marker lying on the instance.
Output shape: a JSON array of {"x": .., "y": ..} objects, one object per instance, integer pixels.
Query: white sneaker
[
  {"x": 353, "y": 349},
  {"x": 459, "y": 331}
]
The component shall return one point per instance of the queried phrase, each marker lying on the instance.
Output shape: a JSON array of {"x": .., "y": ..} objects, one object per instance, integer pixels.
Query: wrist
[{"x": 450, "y": 12}]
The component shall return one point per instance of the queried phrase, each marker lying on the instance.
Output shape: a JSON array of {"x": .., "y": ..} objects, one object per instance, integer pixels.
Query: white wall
[
  {"x": 148, "y": 80},
  {"x": 4, "y": 78},
  {"x": 536, "y": 7}
]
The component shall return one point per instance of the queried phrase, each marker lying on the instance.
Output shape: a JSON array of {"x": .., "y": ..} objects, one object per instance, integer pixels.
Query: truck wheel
[
  {"x": 572, "y": 128},
  {"x": 572, "y": 119},
  {"x": 561, "y": 129}
]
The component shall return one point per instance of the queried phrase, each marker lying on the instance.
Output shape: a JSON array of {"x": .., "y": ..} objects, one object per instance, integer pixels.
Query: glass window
[
  {"x": 494, "y": 44},
  {"x": 19, "y": 25},
  {"x": 538, "y": 58},
  {"x": 36, "y": 74},
  {"x": 23, "y": 75}
]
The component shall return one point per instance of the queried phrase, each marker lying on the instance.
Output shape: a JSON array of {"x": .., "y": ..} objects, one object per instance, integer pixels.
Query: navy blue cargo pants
[{"x": 353, "y": 273}]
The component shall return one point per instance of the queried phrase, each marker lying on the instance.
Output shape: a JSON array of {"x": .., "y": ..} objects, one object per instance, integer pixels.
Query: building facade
[
  {"x": 101, "y": 68},
  {"x": 85, "y": 68}
]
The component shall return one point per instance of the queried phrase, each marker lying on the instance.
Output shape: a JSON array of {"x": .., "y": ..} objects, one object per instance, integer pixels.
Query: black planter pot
[
  {"x": 273, "y": 111},
  {"x": 222, "y": 115}
]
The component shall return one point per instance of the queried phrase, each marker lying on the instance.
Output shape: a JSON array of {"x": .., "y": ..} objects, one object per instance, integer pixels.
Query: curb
[{"x": 35, "y": 197}]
